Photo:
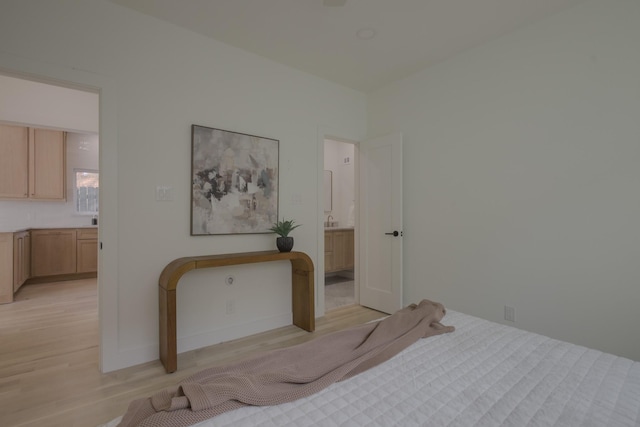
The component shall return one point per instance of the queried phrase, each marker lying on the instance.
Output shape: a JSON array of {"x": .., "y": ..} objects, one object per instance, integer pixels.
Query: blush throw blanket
[{"x": 287, "y": 374}]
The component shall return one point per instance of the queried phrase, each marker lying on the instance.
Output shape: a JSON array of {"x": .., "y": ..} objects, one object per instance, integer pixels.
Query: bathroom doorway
[{"x": 340, "y": 287}]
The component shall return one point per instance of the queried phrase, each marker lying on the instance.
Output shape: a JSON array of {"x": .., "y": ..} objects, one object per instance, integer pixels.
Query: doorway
[
  {"x": 39, "y": 108},
  {"x": 339, "y": 224}
]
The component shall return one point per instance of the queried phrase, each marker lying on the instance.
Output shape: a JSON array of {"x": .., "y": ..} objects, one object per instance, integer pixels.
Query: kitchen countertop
[{"x": 18, "y": 229}]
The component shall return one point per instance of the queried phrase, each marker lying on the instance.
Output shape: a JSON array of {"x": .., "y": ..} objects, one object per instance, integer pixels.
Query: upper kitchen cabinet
[
  {"x": 14, "y": 162},
  {"x": 46, "y": 164},
  {"x": 32, "y": 163}
]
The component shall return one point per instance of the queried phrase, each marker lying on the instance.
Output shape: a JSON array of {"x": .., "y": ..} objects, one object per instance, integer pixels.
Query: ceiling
[{"x": 304, "y": 34}]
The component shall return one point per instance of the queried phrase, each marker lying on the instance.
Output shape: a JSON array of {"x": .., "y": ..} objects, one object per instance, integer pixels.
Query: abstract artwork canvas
[{"x": 234, "y": 182}]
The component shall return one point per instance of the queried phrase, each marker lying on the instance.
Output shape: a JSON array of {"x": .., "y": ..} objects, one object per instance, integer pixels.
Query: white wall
[
  {"x": 37, "y": 104},
  {"x": 82, "y": 153},
  {"x": 343, "y": 175},
  {"x": 30, "y": 103},
  {"x": 156, "y": 80},
  {"x": 522, "y": 177}
]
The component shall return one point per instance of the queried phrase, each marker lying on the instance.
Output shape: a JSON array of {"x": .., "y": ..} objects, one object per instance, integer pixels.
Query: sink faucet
[{"x": 328, "y": 223}]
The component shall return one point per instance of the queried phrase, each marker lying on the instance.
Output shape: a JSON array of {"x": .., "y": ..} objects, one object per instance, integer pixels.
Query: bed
[{"x": 483, "y": 374}]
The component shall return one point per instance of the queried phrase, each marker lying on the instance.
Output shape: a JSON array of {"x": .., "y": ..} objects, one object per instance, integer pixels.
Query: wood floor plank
[{"x": 49, "y": 373}]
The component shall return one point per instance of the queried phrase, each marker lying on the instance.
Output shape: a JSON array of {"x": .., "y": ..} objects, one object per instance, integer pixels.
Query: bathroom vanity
[{"x": 338, "y": 249}]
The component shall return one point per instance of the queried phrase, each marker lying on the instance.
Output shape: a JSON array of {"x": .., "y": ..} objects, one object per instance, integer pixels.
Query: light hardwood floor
[{"x": 49, "y": 372}]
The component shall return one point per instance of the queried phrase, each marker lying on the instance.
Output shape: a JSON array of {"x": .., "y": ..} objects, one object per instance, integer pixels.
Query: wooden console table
[{"x": 302, "y": 282}]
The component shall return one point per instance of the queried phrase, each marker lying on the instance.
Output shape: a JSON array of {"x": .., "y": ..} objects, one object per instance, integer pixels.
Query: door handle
[{"x": 394, "y": 234}]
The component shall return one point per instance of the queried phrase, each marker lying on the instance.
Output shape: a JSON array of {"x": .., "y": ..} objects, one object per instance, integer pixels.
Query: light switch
[{"x": 164, "y": 193}]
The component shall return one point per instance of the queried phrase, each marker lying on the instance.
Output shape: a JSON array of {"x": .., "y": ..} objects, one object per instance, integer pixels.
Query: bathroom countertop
[{"x": 338, "y": 228}]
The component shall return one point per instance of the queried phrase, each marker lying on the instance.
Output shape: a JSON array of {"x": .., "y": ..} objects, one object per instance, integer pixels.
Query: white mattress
[{"x": 483, "y": 374}]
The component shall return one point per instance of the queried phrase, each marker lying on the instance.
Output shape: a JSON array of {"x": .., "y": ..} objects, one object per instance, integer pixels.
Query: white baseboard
[
  {"x": 233, "y": 332},
  {"x": 136, "y": 356}
]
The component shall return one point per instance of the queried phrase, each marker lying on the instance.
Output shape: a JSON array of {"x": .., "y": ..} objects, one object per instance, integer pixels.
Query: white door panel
[{"x": 381, "y": 215}]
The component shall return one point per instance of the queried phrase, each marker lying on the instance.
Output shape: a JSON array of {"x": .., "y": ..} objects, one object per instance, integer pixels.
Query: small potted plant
[{"x": 282, "y": 229}]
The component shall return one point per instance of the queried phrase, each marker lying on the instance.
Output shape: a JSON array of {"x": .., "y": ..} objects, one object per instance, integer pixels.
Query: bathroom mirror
[{"x": 328, "y": 190}]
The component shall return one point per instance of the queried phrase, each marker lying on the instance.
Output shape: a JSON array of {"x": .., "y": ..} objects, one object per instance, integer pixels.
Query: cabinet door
[
  {"x": 339, "y": 251},
  {"x": 87, "y": 256},
  {"x": 349, "y": 250},
  {"x": 47, "y": 164},
  {"x": 14, "y": 162},
  {"x": 18, "y": 261},
  {"x": 328, "y": 251},
  {"x": 26, "y": 257},
  {"x": 53, "y": 252},
  {"x": 6, "y": 267},
  {"x": 21, "y": 259}
]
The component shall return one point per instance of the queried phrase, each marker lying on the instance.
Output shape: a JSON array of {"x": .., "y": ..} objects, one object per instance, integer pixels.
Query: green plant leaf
[{"x": 284, "y": 227}]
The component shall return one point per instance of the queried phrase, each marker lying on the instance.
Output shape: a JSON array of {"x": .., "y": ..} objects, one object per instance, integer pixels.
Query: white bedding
[{"x": 483, "y": 374}]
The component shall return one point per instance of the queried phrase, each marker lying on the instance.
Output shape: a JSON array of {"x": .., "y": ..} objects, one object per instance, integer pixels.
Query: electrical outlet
[
  {"x": 231, "y": 306},
  {"x": 509, "y": 314}
]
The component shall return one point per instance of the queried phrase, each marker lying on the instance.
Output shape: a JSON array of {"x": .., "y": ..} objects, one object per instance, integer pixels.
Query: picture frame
[{"x": 234, "y": 182}]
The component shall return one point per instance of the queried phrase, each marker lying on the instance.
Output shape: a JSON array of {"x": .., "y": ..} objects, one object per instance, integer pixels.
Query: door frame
[
  {"x": 326, "y": 133},
  {"x": 110, "y": 356}
]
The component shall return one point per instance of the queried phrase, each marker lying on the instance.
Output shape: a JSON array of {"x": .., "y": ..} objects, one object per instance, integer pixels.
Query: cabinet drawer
[{"x": 87, "y": 233}]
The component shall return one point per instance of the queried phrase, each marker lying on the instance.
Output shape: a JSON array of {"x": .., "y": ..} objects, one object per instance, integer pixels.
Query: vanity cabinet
[
  {"x": 338, "y": 250},
  {"x": 53, "y": 252},
  {"x": 32, "y": 163},
  {"x": 328, "y": 251}
]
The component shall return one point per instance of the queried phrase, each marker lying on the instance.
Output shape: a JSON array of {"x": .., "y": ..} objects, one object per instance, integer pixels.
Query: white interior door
[{"x": 380, "y": 223}]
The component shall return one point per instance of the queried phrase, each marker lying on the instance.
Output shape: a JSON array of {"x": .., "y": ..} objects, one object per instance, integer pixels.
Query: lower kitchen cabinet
[
  {"x": 46, "y": 255},
  {"x": 15, "y": 263},
  {"x": 6, "y": 267},
  {"x": 53, "y": 252},
  {"x": 64, "y": 251},
  {"x": 21, "y": 258},
  {"x": 86, "y": 250}
]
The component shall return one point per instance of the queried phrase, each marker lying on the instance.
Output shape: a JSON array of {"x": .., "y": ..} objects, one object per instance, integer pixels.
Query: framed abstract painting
[{"x": 234, "y": 182}]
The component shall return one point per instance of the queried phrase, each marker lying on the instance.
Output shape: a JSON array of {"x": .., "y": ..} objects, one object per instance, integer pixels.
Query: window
[{"x": 87, "y": 191}]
